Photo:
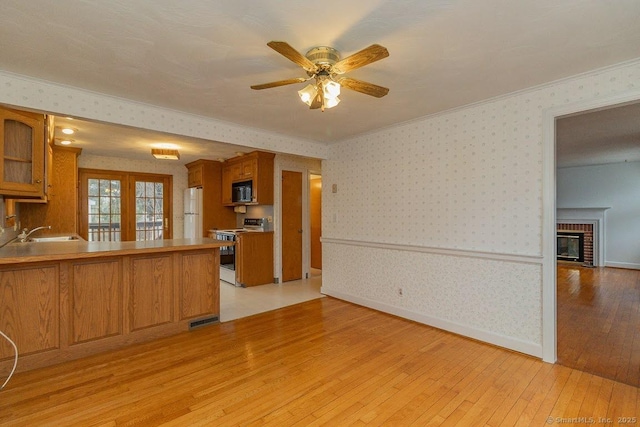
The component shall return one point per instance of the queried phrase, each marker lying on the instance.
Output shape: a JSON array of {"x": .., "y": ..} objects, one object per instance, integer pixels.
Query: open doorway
[
  {"x": 315, "y": 213},
  {"x": 597, "y": 169}
]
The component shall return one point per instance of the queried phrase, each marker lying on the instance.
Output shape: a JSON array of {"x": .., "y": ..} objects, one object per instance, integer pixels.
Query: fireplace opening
[{"x": 570, "y": 246}]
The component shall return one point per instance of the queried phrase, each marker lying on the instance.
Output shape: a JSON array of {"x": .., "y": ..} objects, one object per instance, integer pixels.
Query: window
[{"x": 124, "y": 206}]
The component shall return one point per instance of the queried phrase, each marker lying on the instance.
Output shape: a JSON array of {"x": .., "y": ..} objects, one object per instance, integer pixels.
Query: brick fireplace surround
[{"x": 587, "y": 229}]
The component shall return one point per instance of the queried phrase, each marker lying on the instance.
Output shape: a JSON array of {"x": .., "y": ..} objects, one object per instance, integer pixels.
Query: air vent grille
[{"x": 203, "y": 322}]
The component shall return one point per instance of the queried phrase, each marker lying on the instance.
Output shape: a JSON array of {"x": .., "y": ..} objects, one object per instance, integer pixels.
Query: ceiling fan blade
[
  {"x": 363, "y": 87},
  {"x": 279, "y": 83},
  {"x": 284, "y": 49},
  {"x": 366, "y": 56}
]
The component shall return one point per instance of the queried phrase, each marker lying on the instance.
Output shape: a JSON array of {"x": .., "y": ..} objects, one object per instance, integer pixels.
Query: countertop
[{"x": 77, "y": 249}]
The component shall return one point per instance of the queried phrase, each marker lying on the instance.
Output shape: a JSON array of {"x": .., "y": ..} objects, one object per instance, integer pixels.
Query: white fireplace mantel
[{"x": 594, "y": 216}]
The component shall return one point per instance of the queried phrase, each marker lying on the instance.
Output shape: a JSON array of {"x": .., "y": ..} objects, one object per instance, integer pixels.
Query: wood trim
[
  {"x": 526, "y": 259},
  {"x": 549, "y": 273}
]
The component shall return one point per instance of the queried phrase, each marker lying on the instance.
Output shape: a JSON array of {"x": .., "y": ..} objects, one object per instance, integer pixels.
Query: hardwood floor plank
[
  {"x": 598, "y": 318},
  {"x": 322, "y": 362}
]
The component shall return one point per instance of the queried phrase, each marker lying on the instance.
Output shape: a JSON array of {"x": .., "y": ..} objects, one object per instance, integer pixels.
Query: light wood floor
[
  {"x": 599, "y": 321},
  {"x": 322, "y": 362}
]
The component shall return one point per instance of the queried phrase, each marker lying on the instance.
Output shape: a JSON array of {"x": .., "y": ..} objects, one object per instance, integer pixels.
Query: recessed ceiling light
[
  {"x": 66, "y": 141},
  {"x": 68, "y": 131}
]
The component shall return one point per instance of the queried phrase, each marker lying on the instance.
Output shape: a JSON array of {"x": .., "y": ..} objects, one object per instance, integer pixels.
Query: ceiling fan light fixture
[
  {"x": 308, "y": 93},
  {"x": 323, "y": 64},
  {"x": 331, "y": 89},
  {"x": 331, "y": 102}
]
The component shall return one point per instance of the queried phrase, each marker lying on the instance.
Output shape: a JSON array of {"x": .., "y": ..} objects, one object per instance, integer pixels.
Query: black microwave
[{"x": 241, "y": 192}]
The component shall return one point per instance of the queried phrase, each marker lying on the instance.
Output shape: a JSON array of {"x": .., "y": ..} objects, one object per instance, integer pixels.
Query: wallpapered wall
[{"x": 467, "y": 181}]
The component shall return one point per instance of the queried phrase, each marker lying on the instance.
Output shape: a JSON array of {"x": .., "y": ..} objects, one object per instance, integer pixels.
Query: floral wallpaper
[{"x": 467, "y": 181}]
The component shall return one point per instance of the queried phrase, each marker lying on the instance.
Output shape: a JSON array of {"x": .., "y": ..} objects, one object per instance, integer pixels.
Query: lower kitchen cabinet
[
  {"x": 96, "y": 302},
  {"x": 150, "y": 291},
  {"x": 254, "y": 258},
  {"x": 70, "y": 308},
  {"x": 29, "y": 309}
]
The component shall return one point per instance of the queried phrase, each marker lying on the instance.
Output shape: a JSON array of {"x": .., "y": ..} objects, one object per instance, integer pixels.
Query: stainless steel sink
[{"x": 53, "y": 239}]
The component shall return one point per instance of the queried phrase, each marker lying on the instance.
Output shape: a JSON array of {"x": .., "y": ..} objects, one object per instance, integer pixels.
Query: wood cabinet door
[
  {"x": 227, "y": 179},
  {"x": 96, "y": 300},
  {"x": 248, "y": 168},
  {"x": 21, "y": 153},
  {"x": 199, "y": 284},
  {"x": 150, "y": 291},
  {"x": 195, "y": 176},
  {"x": 29, "y": 314}
]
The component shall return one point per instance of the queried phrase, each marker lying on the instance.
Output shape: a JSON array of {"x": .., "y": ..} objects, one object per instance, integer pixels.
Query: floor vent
[{"x": 203, "y": 322}]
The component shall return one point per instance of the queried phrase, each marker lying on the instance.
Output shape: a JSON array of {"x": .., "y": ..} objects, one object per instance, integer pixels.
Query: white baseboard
[
  {"x": 629, "y": 265},
  {"x": 510, "y": 343}
]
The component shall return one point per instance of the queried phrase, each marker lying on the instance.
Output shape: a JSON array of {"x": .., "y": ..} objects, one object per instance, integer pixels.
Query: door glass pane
[
  {"x": 149, "y": 214},
  {"x": 104, "y": 210}
]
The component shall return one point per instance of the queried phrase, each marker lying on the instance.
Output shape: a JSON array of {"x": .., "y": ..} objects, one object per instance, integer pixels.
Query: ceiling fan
[{"x": 323, "y": 64}]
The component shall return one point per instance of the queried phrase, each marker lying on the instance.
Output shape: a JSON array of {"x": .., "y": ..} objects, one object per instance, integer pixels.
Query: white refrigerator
[{"x": 193, "y": 213}]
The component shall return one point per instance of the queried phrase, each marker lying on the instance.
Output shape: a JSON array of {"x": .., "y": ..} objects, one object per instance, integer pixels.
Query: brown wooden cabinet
[
  {"x": 22, "y": 154},
  {"x": 60, "y": 211},
  {"x": 195, "y": 173},
  {"x": 254, "y": 258},
  {"x": 69, "y": 308},
  {"x": 95, "y": 299},
  {"x": 30, "y": 303},
  {"x": 207, "y": 174},
  {"x": 256, "y": 167}
]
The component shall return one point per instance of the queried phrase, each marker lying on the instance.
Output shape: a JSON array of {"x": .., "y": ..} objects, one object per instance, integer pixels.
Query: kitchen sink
[{"x": 53, "y": 239}]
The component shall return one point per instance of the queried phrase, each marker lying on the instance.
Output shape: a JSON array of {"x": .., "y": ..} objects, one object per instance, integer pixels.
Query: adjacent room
[
  {"x": 341, "y": 213},
  {"x": 598, "y": 162}
]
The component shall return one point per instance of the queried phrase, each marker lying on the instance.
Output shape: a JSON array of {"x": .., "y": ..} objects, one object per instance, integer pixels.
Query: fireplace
[
  {"x": 570, "y": 246},
  {"x": 575, "y": 243},
  {"x": 589, "y": 221}
]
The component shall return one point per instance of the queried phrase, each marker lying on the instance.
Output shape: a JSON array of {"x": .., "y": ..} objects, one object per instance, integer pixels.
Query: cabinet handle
[{"x": 38, "y": 181}]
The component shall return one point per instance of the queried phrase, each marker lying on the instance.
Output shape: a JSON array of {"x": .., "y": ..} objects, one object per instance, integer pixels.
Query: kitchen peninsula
[{"x": 66, "y": 300}]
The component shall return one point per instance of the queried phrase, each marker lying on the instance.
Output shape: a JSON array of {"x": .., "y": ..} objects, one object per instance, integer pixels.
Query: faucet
[{"x": 22, "y": 237}]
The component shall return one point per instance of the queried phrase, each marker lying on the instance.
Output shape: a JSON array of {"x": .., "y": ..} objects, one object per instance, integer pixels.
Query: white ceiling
[{"x": 201, "y": 56}]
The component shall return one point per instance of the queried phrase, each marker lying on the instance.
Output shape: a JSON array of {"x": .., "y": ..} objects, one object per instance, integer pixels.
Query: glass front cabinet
[{"x": 22, "y": 153}]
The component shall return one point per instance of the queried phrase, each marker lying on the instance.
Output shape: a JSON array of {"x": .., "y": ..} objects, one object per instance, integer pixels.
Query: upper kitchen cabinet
[
  {"x": 22, "y": 154},
  {"x": 207, "y": 175},
  {"x": 256, "y": 169}
]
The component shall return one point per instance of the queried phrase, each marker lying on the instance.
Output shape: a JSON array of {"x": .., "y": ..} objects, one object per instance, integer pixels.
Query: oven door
[{"x": 227, "y": 253}]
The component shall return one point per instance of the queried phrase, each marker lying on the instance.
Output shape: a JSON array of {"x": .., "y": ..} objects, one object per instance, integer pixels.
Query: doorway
[
  {"x": 596, "y": 323},
  {"x": 291, "y": 225},
  {"x": 315, "y": 211}
]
